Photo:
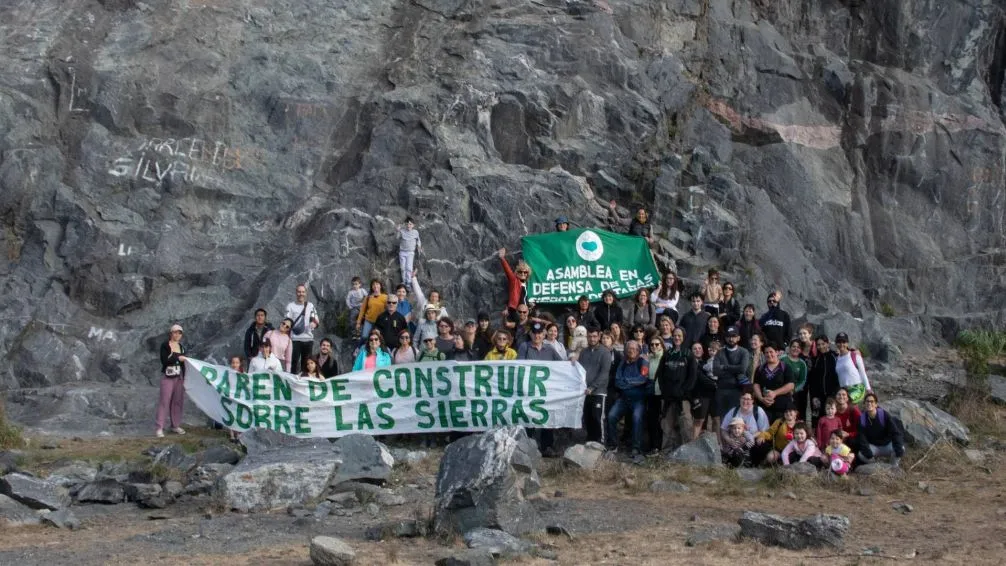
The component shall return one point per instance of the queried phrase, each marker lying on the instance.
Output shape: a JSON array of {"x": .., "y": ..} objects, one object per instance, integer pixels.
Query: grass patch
[
  {"x": 978, "y": 348},
  {"x": 10, "y": 435},
  {"x": 887, "y": 310},
  {"x": 972, "y": 406}
]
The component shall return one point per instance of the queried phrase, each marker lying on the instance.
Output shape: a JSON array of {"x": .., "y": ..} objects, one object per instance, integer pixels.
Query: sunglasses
[
  {"x": 656, "y": 345},
  {"x": 392, "y": 302},
  {"x": 523, "y": 272},
  {"x": 375, "y": 339},
  {"x": 405, "y": 337}
]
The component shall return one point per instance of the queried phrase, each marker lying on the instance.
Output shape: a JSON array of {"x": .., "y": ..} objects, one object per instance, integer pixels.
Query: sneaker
[
  {"x": 178, "y": 430},
  {"x": 159, "y": 433}
]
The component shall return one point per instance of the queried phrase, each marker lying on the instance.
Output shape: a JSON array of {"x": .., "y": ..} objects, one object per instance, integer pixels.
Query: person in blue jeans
[{"x": 631, "y": 380}]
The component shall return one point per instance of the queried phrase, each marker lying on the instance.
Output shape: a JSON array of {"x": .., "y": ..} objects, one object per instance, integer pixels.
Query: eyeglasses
[
  {"x": 656, "y": 345},
  {"x": 392, "y": 302},
  {"x": 405, "y": 337},
  {"x": 374, "y": 339}
]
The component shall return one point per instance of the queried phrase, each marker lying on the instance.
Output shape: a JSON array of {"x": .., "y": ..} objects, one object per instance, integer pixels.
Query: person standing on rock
[
  {"x": 775, "y": 323},
  {"x": 666, "y": 296},
  {"x": 748, "y": 326},
  {"x": 409, "y": 245},
  {"x": 422, "y": 302},
  {"x": 516, "y": 285},
  {"x": 255, "y": 333},
  {"x": 608, "y": 312},
  {"x": 676, "y": 374},
  {"x": 643, "y": 313},
  {"x": 794, "y": 360},
  {"x": 631, "y": 379},
  {"x": 695, "y": 321},
  {"x": 639, "y": 225},
  {"x": 712, "y": 293},
  {"x": 372, "y": 307},
  {"x": 282, "y": 345},
  {"x": 561, "y": 224},
  {"x": 305, "y": 320},
  {"x": 596, "y": 360},
  {"x": 172, "y": 395},
  {"x": 730, "y": 307},
  {"x": 774, "y": 384},
  {"x": 405, "y": 353},
  {"x": 354, "y": 298},
  {"x": 851, "y": 371}
]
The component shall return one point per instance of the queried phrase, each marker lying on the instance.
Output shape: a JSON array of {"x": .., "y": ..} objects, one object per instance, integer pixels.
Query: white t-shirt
[
  {"x": 851, "y": 373},
  {"x": 293, "y": 311}
]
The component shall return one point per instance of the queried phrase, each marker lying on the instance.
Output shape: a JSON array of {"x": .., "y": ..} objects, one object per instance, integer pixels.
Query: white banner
[{"x": 409, "y": 398}]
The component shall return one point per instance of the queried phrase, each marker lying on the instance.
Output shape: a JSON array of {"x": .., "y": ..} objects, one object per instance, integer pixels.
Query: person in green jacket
[{"x": 796, "y": 365}]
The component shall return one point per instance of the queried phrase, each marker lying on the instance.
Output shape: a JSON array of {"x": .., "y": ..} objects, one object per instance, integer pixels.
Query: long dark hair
[{"x": 665, "y": 292}]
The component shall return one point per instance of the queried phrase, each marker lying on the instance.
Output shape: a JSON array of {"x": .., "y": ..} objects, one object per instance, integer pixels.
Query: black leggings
[{"x": 302, "y": 350}]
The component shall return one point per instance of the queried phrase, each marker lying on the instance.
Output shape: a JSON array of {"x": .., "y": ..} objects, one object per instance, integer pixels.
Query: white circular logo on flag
[{"x": 589, "y": 246}]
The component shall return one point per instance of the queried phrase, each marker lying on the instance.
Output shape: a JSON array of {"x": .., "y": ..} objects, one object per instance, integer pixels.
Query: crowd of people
[{"x": 656, "y": 377}]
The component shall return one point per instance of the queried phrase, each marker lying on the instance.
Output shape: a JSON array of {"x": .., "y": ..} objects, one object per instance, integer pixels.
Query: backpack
[{"x": 881, "y": 417}]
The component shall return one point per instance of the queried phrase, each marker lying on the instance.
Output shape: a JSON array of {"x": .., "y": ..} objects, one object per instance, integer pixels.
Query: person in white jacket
[
  {"x": 851, "y": 370},
  {"x": 265, "y": 361}
]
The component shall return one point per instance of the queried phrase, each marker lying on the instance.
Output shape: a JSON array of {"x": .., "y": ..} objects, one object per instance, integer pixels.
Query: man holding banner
[{"x": 536, "y": 350}]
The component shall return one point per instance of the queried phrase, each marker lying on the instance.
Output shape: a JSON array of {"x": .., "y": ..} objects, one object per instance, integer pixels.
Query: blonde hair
[{"x": 522, "y": 265}]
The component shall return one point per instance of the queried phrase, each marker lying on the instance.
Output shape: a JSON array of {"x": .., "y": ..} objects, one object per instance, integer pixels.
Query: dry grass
[
  {"x": 974, "y": 408},
  {"x": 10, "y": 435}
]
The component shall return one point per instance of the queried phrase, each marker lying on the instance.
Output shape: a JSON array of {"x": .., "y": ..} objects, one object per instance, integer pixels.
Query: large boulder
[
  {"x": 15, "y": 514},
  {"x": 73, "y": 474},
  {"x": 34, "y": 492},
  {"x": 484, "y": 481},
  {"x": 496, "y": 542},
  {"x": 363, "y": 458},
  {"x": 107, "y": 491},
  {"x": 703, "y": 451},
  {"x": 279, "y": 474},
  {"x": 925, "y": 423},
  {"x": 330, "y": 551},
  {"x": 794, "y": 534}
]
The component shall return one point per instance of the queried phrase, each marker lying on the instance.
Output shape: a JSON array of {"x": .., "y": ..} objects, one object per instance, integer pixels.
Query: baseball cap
[
  {"x": 537, "y": 327},
  {"x": 470, "y": 321},
  {"x": 732, "y": 331},
  {"x": 561, "y": 220},
  {"x": 737, "y": 421},
  {"x": 176, "y": 328},
  {"x": 842, "y": 337}
]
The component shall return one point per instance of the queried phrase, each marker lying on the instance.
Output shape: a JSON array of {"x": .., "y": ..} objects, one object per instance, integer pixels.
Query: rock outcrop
[{"x": 160, "y": 163}]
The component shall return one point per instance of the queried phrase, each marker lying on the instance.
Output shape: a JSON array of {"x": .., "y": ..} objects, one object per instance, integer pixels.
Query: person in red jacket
[{"x": 516, "y": 283}]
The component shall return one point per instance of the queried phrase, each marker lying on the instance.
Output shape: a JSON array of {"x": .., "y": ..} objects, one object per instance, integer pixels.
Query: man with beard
[
  {"x": 730, "y": 368},
  {"x": 775, "y": 323}
]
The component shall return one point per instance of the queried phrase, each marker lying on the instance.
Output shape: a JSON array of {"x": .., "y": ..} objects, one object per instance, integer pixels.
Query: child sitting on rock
[
  {"x": 802, "y": 447},
  {"x": 737, "y": 443},
  {"x": 839, "y": 454}
]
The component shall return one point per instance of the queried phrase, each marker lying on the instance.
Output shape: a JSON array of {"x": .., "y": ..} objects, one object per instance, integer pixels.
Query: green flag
[{"x": 566, "y": 265}]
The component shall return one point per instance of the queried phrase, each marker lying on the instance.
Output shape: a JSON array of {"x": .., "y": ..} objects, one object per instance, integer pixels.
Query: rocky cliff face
[{"x": 191, "y": 160}]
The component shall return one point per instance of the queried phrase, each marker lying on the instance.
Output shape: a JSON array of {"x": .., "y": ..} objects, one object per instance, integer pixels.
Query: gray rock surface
[
  {"x": 997, "y": 389},
  {"x": 220, "y": 454},
  {"x": 703, "y": 451},
  {"x": 583, "y": 456},
  {"x": 800, "y": 469},
  {"x": 322, "y": 125},
  {"x": 281, "y": 474},
  {"x": 73, "y": 474},
  {"x": 719, "y": 532},
  {"x": 330, "y": 551},
  {"x": 663, "y": 486},
  {"x": 106, "y": 491},
  {"x": 173, "y": 456},
  {"x": 8, "y": 461},
  {"x": 484, "y": 480},
  {"x": 363, "y": 458},
  {"x": 795, "y": 534},
  {"x": 470, "y": 557},
  {"x": 15, "y": 514},
  {"x": 34, "y": 492},
  {"x": 406, "y": 456},
  {"x": 496, "y": 542},
  {"x": 924, "y": 423},
  {"x": 62, "y": 519}
]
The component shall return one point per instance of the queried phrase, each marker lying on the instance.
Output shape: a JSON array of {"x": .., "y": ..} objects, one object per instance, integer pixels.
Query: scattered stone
[
  {"x": 878, "y": 468},
  {"x": 106, "y": 491},
  {"x": 410, "y": 457},
  {"x": 559, "y": 493},
  {"x": 794, "y": 534},
  {"x": 975, "y": 456},
  {"x": 363, "y": 458},
  {"x": 367, "y": 492},
  {"x": 73, "y": 474},
  {"x": 751, "y": 474},
  {"x": 62, "y": 519},
  {"x": 258, "y": 440},
  {"x": 469, "y": 557},
  {"x": 198, "y": 487},
  {"x": 330, "y": 551},
  {"x": 719, "y": 532},
  {"x": 278, "y": 473},
  {"x": 583, "y": 456},
  {"x": 34, "y": 492},
  {"x": 495, "y": 541},
  {"x": 174, "y": 457},
  {"x": 344, "y": 498},
  {"x": 50, "y": 446},
  {"x": 141, "y": 493},
  {"x": 800, "y": 469},
  {"x": 1001, "y": 512},
  {"x": 663, "y": 486},
  {"x": 485, "y": 480},
  {"x": 173, "y": 488},
  {"x": 790, "y": 495},
  {"x": 15, "y": 514},
  {"x": 694, "y": 518},
  {"x": 397, "y": 529},
  {"x": 866, "y": 492},
  {"x": 220, "y": 454},
  {"x": 559, "y": 530},
  {"x": 703, "y": 451},
  {"x": 924, "y": 423},
  {"x": 298, "y": 512},
  {"x": 373, "y": 509},
  {"x": 902, "y": 507},
  {"x": 8, "y": 461},
  {"x": 997, "y": 389}
]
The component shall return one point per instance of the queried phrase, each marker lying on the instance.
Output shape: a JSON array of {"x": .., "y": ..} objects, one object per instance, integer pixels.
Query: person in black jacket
[
  {"x": 694, "y": 321},
  {"x": 730, "y": 307},
  {"x": 254, "y": 334},
  {"x": 774, "y": 383},
  {"x": 879, "y": 434},
  {"x": 608, "y": 312},
  {"x": 327, "y": 365},
  {"x": 584, "y": 316},
  {"x": 391, "y": 322},
  {"x": 775, "y": 323},
  {"x": 822, "y": 377},
  {"x": 676, "y": 377},
  {"x": 731, "y": 370},
  {"x": 172, "y": 382}
]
